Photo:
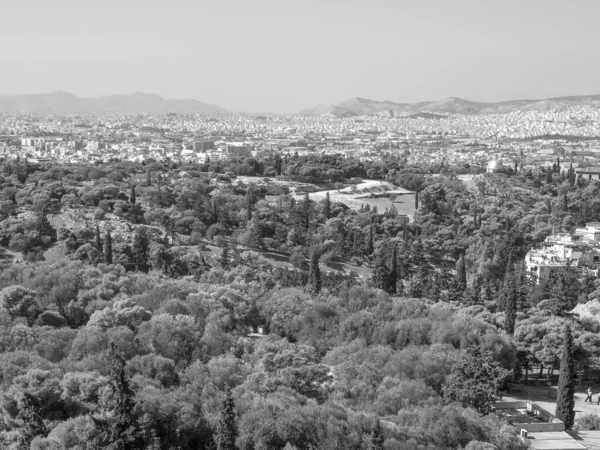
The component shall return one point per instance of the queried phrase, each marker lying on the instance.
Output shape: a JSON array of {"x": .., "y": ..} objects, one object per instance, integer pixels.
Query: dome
[{"x": 494, "y": 164}]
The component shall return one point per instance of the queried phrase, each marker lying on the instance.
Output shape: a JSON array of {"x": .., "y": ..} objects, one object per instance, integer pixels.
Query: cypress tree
[
  {"x": 327, "y": 206},
  {"x": 140, "y": 249},
  {"x": 248, "y": 206},
  {"x": 394, "y": 271},
  {"x": 377, "y": 437},
  {"x": 306, "y": 211},
  {"x": 511, "y": 297},
  {"x": 314, "y": 273},
  {"x": 565, "y": 400},
  {"x": 370, "y": 247},
  {"x": 565, "y": 202},
  {"x": 227, "y": 429},
  {"x": 122, "y": 430},
  {"x": 98, "y": 240},
  {"x": 461, "y": 274},
  {"x": 405, "y": 231},
  {"x": 132, "y": 195},
  {"x": 148, "y": 178},
  {"x": 417, "y": 199},
  {"x": 108, "y": 252},
  {"x": 225, "y": 258}
]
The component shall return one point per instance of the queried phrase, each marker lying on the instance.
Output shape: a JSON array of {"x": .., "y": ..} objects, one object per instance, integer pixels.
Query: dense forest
[{"x": 141, "y": 308}]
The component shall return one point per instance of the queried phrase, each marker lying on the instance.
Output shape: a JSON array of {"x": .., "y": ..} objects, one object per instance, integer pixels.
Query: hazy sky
[{"x": 284, "y": 55}]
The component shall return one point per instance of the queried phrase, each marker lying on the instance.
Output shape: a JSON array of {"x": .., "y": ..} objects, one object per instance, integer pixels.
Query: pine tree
[
  {"x": 327, "y": 207},
  {"x": 98, "y": 240},
  {"x": 121, "y": 431},
  {"x": 314, "y": 273},
  {"x": 565, "y": 400},
  {"x": 140, "y": 249},
  {"x": 227, "y": 429},
  {"x": 394, "y": 271},
  {"x": 108, "y": 252}
]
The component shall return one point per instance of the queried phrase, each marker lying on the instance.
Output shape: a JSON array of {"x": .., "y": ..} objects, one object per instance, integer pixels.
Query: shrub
[{"x": 587, "y": 422}]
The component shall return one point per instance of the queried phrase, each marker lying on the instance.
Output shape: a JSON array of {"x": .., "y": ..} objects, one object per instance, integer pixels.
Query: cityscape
[{"x": 300, "y": 226}]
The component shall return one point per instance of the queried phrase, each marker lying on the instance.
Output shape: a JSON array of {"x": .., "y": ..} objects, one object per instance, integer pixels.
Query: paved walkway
[{"x": 545, "y": 397}]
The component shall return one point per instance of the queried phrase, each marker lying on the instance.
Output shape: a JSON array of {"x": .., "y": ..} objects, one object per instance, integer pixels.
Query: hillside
[
  {"x": 60, "y": 101},
  {"x": 358, "y": 106}
]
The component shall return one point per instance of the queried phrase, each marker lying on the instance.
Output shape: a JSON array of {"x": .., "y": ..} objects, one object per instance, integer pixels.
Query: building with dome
[{"x": 494, "y": 166}]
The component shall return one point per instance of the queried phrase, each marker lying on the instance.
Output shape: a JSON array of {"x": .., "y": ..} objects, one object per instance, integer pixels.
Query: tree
[
  {"x": 225, "y": 258},
  {"x": 121, "y": 430},
  {"x": 30, "y": 420},
  {"x": 108, "y": 252},
  {"x": 20, "y": 302},
  {"x": 394, "y": 270},
  {"x": 98, "y": 241},
  {"x": 510, "y": 295},
  {"x": 148, "y": 178},
  {"x": 140, "y": 249},
  {"x": 475, "y": 380},
  {"x": 132, "y": 195},
  {"x": 314, "y": 273},
  {"x": 377, "y": 439},
  {"x": 227, "y": 428},
  {"x": 327, "y": 207},
  {"x": 565, "y": 399}
]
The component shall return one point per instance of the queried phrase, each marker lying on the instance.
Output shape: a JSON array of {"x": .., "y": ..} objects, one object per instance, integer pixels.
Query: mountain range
[
  {"x": 452, "y": 105},
  {"x": 60, "y": 101}
]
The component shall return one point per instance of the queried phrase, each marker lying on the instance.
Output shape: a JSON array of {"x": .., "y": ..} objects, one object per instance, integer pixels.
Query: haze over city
[{"x": 267, "y": 56}]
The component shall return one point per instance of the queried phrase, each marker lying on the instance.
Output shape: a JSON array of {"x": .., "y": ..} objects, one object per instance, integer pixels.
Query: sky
[{"x": 286, "y": 55}]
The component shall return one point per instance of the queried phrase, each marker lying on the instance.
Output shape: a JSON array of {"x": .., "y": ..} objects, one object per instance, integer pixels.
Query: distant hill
[
  {"x": 60, "y": 101},
  {"x": 452, "y": 105}
]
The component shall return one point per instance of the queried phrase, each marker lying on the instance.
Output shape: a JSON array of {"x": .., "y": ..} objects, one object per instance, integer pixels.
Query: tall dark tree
[
  {"x": 249, "y": 205},
  {"x": 108, "y": 251},
  {"x": 565, "y": 399},
  {"x": 224, "y": 260},
  {"x": 140, "y": 250},
  {"x": 370, "y": 244},
  {"x": 132, "y": 195},
  {"x": 381, "y": 271},
  {"x": 327, "y": 207},
  {"x": 148, "y": 178},
  {"x": 510, "y": 295},
  {"x": 121, "y": 431},
  {"x": 377, "y": 439},
  {"x": 461, "y": 274},
  {"x": 417, "y": 198},
  {"x": 98, "y": 239},
  {"x": 306, "y": 210},
  {"x": 227, "y": 428},
  {"x": 394, "y": 271},
  {"x": 314, "y": 273}
]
